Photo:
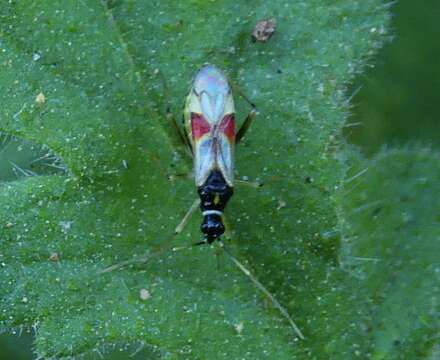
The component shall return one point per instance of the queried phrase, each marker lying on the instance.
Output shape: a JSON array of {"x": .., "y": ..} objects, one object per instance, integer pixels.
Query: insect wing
[
  {"x": 209, "y": 118},
  {"x": 203, "y": 148},
  {"x": 225, "y": 141}
]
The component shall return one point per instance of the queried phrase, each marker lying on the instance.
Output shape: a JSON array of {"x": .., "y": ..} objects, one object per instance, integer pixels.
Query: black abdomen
[{"x": 214, "y": 194}]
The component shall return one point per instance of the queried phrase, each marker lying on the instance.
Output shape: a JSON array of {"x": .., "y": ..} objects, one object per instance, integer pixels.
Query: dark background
[{"x": 395, "y": 104}]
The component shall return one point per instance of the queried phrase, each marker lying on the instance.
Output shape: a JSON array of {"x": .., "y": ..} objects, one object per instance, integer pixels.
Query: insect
[
  {"x": 209, "y": 126},
  {"x": 210, "y": 134}
]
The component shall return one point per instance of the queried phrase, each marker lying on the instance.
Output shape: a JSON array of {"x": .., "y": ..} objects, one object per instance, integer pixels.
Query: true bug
[
  {"x": 209, "y": 132},
  {"x": 209, "y": 129}
]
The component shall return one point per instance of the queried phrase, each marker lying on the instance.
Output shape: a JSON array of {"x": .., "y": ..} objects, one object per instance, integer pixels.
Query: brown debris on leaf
[
  {"x": 55, "y": 257},
  {"x": 264, "y": 30}
]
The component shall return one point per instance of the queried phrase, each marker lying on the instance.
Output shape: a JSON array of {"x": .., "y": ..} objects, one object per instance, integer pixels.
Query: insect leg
[
  {"x": 170, "y": 116},
  {"x": 188, "y": 141},
  {"x": 249, "y": 118},
  {"x": 263, "y": 289},
  {"x": 183, "y": 138},
  {"x": 228, "y": 234},
  {"x": 252, "y": 184},
  {"x": 245, "y": 125},
  {"x": 238, "y": 90},
  {"x": 174, "y": 177},
  {"x": 186, "y": 218}
]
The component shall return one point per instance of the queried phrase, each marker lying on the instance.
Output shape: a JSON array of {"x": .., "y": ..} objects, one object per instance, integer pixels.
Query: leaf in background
[
  {"x": 108, "y": 71},
  {"x": 398, "y": 101},
  {"x": 391, "y": 217}
]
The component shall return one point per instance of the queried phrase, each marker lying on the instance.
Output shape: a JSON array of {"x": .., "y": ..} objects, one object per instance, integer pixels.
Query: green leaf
[
  {"x": 392, "y": 217},
  {"x": 93, "y": 80}
]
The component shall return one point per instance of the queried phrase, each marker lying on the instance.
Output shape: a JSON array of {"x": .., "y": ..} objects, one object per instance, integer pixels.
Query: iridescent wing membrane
[{"x": 210, "y": 119}]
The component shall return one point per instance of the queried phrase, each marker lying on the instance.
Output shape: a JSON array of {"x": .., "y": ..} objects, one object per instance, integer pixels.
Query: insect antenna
[
  {"x": 148, "y": 257},
  {"x": 195, "y": 205},
  {"x": 199, "y": 243},
  {"x": 263, "y": 289},
  {"x": 142, "y": 259}
]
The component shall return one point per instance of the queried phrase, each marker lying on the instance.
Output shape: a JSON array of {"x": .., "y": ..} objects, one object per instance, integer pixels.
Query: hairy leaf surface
[{"x": 93, "y": 80}]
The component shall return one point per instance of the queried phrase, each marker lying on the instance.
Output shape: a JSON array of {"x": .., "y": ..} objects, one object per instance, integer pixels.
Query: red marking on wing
[
  {"x": 199, "y": 126},
  {"x": 227, "y": 126}
]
